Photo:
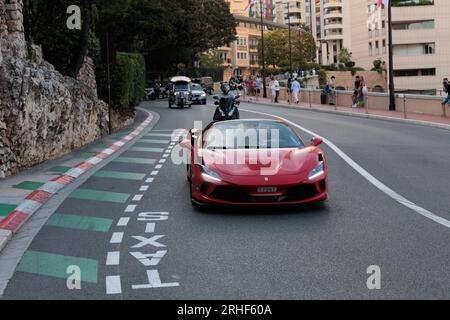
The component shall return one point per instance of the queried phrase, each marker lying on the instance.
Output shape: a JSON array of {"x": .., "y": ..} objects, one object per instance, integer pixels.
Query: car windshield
[
  {"x": 253, "y": 134},
  {"x": 181, "y": 87},
  {"x": 197, "y": 87}
]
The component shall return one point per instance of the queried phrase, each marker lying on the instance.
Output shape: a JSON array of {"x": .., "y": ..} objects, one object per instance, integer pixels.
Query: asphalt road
[{"x": 165, "y": 249}]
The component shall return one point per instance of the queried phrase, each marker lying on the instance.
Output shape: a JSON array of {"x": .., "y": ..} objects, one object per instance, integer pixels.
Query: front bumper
[{"x": 210, "y": 192}]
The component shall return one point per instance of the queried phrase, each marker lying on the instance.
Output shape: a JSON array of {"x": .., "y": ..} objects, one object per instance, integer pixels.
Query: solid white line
[
  {"x": 150, "y": 228},
  {"x": 144, "y": 188},
  {"x": 130, "y": 208},
  {"x": 138, "y": 197},
  {"x": 116, "y": 238},
  {"x": 149, "y": 180},
  {"x": 113, "y": 285},
  {"x": 123, "y": 222},
  {"x": 377, "y": 183},
  {"x": 113, "y": 258}
]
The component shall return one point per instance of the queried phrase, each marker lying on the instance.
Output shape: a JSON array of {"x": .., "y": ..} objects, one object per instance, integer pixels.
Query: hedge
[{"x": 127, "y": 81}]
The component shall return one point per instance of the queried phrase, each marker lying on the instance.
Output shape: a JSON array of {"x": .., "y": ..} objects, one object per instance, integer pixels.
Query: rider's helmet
[{"x": 225, "y": 87}]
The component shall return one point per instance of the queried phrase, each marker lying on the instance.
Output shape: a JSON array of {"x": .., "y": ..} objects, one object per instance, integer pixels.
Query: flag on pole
[
  {"x": 383, "y": 2},
  {"x": 250, "y": 3}
]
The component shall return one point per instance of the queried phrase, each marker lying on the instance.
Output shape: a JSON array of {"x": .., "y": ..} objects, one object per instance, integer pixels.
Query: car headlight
[
  {"x": 203, "y": 95},
  {"x": 206, "y": 172},
  {"x": 317, "y": 171}
]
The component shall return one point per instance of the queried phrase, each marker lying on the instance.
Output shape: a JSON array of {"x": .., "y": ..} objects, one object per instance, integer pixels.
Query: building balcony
[
  {"x": 332, "y": 4},
  {"x": 414, "y": 36},
  {"x": 423, "y": 61}
]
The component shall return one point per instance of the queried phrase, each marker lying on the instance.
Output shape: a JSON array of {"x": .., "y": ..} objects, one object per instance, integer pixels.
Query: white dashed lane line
[
  {"x": 113, "y": 283},
  {"x": 117, "y": 238},
  {"x": 123, "y": 222}
]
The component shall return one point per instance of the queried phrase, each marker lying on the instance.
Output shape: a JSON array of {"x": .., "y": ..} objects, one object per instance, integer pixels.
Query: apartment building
[
  {"x": 241, "y": 56},
  {"x": 421, "y": 43},
  {"x": 296, "y": 12}
]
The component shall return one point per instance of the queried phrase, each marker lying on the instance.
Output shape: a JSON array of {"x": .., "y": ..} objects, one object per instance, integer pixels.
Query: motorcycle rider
[{"x": 227, "y": 109}]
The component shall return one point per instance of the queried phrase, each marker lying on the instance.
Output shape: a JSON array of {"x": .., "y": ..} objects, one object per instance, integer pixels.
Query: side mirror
[
  {"x": 216, "y": 103},
  {"x": 316, "y": 141},
  {"x": 237, "y": 96},
  {"x": 216, "y": 97}
]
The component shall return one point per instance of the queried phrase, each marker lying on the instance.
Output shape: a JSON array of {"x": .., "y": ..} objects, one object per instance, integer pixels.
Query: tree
[
  {"x": 379, "y": 66},
  {"x": 210, "y": 60},
  {"x": 276, "y": 45},
  {"x": 345, "y": 56}
]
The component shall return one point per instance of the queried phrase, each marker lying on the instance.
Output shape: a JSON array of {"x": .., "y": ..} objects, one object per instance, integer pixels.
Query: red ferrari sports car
[{"x": 248, "y": 162}]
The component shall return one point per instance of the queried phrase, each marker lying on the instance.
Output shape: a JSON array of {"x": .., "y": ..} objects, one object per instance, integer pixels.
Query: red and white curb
[{"x": 35, "y": 200}]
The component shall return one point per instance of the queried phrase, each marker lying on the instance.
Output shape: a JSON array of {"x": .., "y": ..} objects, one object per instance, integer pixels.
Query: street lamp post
[
  {"x": 263, "y": 50},
  {"x": 391, "y": 61},
  {"x": 290, "y": 38}
]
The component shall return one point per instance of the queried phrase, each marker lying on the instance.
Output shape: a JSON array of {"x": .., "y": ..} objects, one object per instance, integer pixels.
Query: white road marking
[
  {"x": 113, "y": 258},
  {"x": 113, "y": 285},
  {"x": 150, "y": 227},
  {"x": 154, "y": 281},
  {"x": 130, "y": 208},
  {"x": 117, "y": 237},
  {"x": 166, "y": 155},
  {"x": 162, "y": 161},
  {"x": 149, "y": 180},
  {"x": 159, "y": 166},
  {"x": 155, "y": 173},
  {"x": 374, "y": 181},
  {"x": 138, "y": 197},
  {"x": 143, "y": 188},
  {"x": 123, "y": 222}
]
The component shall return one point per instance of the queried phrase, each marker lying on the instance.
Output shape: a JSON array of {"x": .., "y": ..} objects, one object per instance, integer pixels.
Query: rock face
[{"x": 43, "y": 115}]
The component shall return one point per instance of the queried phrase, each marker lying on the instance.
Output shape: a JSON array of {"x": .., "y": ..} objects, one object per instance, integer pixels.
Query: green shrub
[{"x": 127, "y": 81}]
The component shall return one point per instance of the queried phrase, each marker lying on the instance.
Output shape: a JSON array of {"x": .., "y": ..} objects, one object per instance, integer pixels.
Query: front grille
[{"x": 232, "y": 194}]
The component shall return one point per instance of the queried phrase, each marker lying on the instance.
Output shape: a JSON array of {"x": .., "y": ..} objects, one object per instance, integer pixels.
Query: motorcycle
[{"x": 226, "y": 107}]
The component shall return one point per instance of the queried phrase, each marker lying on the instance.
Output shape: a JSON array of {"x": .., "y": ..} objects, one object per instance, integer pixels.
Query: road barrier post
[
  {"x": 405, "y": 114},
  {"x": 366, "y": 105},
  {"x": 309, "y": 95}
]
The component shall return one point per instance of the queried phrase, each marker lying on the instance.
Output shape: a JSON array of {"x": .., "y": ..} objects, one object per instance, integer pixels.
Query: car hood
[
  {"x": 265, "y": 161},
  {"x": 197, "y": 91}
]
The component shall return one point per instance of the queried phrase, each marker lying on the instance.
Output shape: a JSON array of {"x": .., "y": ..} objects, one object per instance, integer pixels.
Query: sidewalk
[
  {"x": 438, "y": 121},
  {"x": 24, "y": 193}
]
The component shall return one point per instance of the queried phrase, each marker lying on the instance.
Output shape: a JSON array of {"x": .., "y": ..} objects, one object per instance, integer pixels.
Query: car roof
[{"x": 180, "y": 79}]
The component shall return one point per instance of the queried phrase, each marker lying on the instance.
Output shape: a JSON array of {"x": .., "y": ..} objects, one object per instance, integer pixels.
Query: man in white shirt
[{"x": 276, "y": 85}]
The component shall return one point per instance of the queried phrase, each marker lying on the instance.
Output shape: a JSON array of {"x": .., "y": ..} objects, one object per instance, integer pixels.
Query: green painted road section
[
  {"x": 88, "y": 155},
  {"x": 165, "y": 135},
  {"x": 153, "y": 141},
  {"x": 54, "y": 265},
  {"x": 95, "y": 195},
  {"x": 60, "y": 169},
  {"x": 134, "y": 160},
  {"x": 120, "y": 175},
  {"x": 6, "y": 209},
  {"x": 79, "y": 222},
  {"x": 29, "y": 185},
  {"x": 140, "y": 149}
]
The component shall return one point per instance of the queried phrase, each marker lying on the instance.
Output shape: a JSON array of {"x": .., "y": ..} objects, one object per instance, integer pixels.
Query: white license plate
[{"x": 267, "y": 190}]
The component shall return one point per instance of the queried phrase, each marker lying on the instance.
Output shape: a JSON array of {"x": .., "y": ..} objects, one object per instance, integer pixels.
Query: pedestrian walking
[
  {"x": 250, "y": 86},
  {"x": 257, "y": 86},
  {"x": 356, "y": 92},
  {"x": 288, "y": 90},
  {"x": 272, "y": 88},
  {"x": 296, "y": 89},
  {"x": 332, "y": 87},
  {"x": 446, "y": 100},
  {"x": 362, "y": 94},
  {"x": 276, "y": 85}
]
